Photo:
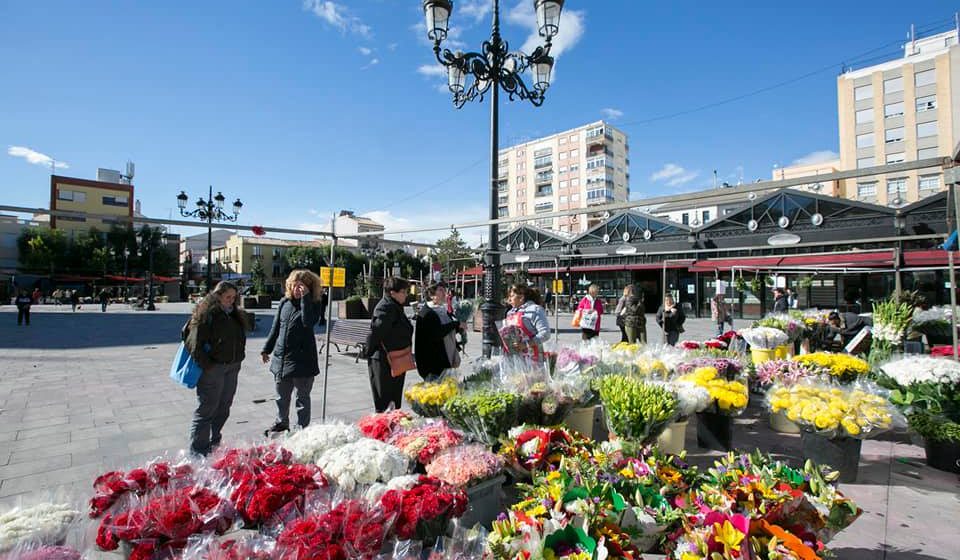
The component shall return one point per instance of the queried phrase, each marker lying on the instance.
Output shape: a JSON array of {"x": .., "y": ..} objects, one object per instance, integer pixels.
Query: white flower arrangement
[
  {"x": 932, "y": 315},
  {"x": 887, "y": 333},
  {"x": 363, "y": 462},
  {"x": 691, "y": 398},
  {"x": 377, "y": 490},
  {"x": 922, "y": 369},
  {"x": 764, "y": 338},
  {"x": 46, "y": 523},
  {"x": 310, "y": 443}
]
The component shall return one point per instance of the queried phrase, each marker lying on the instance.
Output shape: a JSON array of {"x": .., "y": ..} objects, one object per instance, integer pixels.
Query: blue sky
[{"x": 304, "y": 108}]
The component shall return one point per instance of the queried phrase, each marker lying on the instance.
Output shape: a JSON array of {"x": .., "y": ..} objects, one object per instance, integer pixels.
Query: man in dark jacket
[
  {"x": 435, "y": 341},
  {"x": 23, "y": 302},
  {"x": 780, "y": 302},
  {"x": 293, "y": 345},
  {"x": 390, "y": 330}
]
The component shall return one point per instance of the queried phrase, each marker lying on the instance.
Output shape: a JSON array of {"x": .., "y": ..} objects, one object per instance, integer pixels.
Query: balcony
[
  {"x": 544, "y": 178},
  {"x": 540, "y": 163},
  {"x": 546, "y": 190}
]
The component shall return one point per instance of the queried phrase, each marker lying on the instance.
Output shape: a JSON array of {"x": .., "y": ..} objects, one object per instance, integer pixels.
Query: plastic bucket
[
  {"x": 714, "y": 431},
  {"x": 760, "y": 355},
  {"x": 842, "y": 455},
  {"x": 780, "y": 423},
  {"x": 781, "y": 352},
  {"x": 943, "y": 455},
  {"x": 673, "y": 439}
]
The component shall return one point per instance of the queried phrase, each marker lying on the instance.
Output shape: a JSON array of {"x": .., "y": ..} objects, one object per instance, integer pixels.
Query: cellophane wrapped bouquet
[
  {"x": 927, "y": 390},
  {"x": 791, "y": 326},
  {"x": 487, "y": 413},
  {"x": 465, "y": 465},
  {"x": 764, "y": 338},
  {"x": 427, "y": 398},
  {"x": 528, "y": 448},
  {"x": 728, "y": 394},
  {"x": 841, "y": 368},
  {"x": 636, "y": 410},
  {"x": 834, "y": 411}
]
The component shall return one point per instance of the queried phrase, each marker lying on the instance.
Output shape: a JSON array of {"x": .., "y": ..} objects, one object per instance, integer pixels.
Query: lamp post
[
  {"x": 492, "y": 69},
  {"x": 209, "y": 210},
  {"x": 150, "y": 238},
  {"x": 126, "y": 260}
]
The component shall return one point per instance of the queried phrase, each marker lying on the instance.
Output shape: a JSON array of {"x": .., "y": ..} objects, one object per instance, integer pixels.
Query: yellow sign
[
  {"x": 339, "y": 277},
  {"x": 558, "y": 286}
]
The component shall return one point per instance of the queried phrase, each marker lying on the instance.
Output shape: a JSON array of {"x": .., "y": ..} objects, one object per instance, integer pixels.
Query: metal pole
[
  {"x": 150, "y": 304},
  {"x": 556, "y": 298},
  {"x": 326, "y": 346},
  {"x": 491, "y": 288},
  {"x": 953, "y": 276},
  {"x": 210, "y": 240},
  {"x": 663, "y": 299},
  {"x": 897, "y": 285}
]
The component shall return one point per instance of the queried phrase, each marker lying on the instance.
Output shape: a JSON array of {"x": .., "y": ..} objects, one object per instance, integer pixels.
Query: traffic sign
[
  {"x": 558, "y": 286},
  {"x": 339, "y": 277}
]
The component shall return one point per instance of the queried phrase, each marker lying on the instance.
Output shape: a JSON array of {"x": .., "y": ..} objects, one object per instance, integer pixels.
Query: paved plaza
[{"x": 84, "y": 392}]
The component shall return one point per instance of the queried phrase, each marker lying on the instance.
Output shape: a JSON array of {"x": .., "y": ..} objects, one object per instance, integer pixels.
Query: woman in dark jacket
[
  {"x": 634, "y": 318},
  {"x": 671, "y": 319},
  {"x": 293, "y": 344},
  {"x": 390, "y": 330},
  {"x": 216, "y": 338},
  {"x": 435, "y": 342}
]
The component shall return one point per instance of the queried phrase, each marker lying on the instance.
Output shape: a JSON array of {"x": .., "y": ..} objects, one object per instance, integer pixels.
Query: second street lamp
[
  {"x": 209, "y": 210},
  {"x": 491, "y": 70}
]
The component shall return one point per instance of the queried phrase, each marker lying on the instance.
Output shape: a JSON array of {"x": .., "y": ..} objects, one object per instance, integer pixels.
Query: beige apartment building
[
  {"x": 906, "y": 109},
  {"x": 235, "y": 259},
  {"x": 578, "y": 168}
]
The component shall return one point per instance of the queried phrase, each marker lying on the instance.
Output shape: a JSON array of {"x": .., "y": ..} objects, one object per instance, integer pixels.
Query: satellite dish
[
  {"x": 783, "y": 222},
  {"x": 817, "y": 219},
  {"x": 752, "y": 225},
  {"x": 647, "y": 234},
  {"x": 606, "y": 238},
  {"x": 625, "y": 236}
]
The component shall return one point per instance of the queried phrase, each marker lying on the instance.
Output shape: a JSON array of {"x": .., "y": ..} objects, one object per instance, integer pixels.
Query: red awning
[
  {"x": 933, "y": 257},
  {"x": 121, "y": 278},
  {"x": 710, "y": 265},
  {"x": 70, "y": 278},
  {"x": 612, "y": 267},
  {"x": 475, "y": 271},
  {"x": 835, "y": 260},
  {"x": 159, "y": 278}
]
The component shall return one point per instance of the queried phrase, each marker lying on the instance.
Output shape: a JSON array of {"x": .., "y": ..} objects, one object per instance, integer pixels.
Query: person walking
[
  {"x": 23, "y": 303},
  {"x": 36, "y": 296},
  {"x": 634, "y": 315},
  {"x": 590, "y": 309},
  {"x": 528, "y": 315},
  {"x": 57, "y": 297},
  {"x": 619, "y": 312},
  {"x": 292, "y": 343},
  {"x": 780, "y": 303},
  {"x": 324, "y": 301},
  {"x": 435, "y": 338},
  {"x": 720, "y": 312},
  {"x": 74, "y": 300},
  {"x": 216, "y": 338},
  {"x": 671, "y": 318},
  {"x": 390, "y": 330},
  {"x": 104, "y": 298}
]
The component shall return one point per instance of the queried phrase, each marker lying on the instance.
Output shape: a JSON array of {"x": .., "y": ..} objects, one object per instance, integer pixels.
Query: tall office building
[
  {"x": 102, "y": 198},
  {"x": 901, "y": 110},
  {"x": 578, "y": 168}
]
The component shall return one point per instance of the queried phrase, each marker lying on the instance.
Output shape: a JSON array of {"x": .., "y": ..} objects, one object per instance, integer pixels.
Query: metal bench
[{"x": 348, "y": 333}]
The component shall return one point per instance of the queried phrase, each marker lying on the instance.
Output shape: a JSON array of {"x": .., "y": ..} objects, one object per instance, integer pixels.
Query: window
[
  {"x": 595, "y": 163},
  {"x": 71, "y": 219},
  {"x": 926, "y": 103},
  {"x": 867, "y": 190},
  {"x": 896, "y": 188},
  {"x": 574, "y": 197},
  {"x": 685, "y": 219},
  {"x": 927, "y": 153},
  {"x": 893, "y": 85},
  {"x": 896, "y": 158},
  {"x": 925, "y": 78},
  {"x": 543, "y": 207},
  {"x": 893, "y": 109},
  {"x": 865, "y": 140},
  {"x": 545, "y": 177},
  {"x": 519, "y": 153},
  {"x": 503, "y": 199},
  {"x": 545, "y": 190},
  {"x": 929, "y": 182},
  {"x": 927, "y": 129},
  {"x": 563, "y": 169},
  {"x": 574, "y": 182},
  {"x": 706, "y": 216},
  {"x": 116, "y": 200},
  {"x": 563, "y": 155},
  {"x": 595, "y": 132},
  {"x": 563, "y": 139},
  {"x": 864, "y": 116},
  {"x": 865, "y": 162},
  {"x": 277, "y": 252},
  {"x": 894, "y": 135},
  {"x": 573, "y": 137},
  {"x": 574, "y": 153},
  {"x": 543, "y": 152},
  {"x": 72, "y": 196},
  {"x": 502, "y": 186},
  {"x": 863, "y": 92},
  {"x": 543, "y": 161},
  {"x": 545, "y": 224},
  {"x": 564, "y": 183},
  {"x": 564, "y": 199},
  {"x": 503, "y": 211}
]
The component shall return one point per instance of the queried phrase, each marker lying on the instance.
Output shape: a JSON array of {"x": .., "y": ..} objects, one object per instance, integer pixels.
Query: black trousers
[
  {"x": 587, "y": 334},
  {"x": 23, "y": 314},
  {"x": 285, "y": 387},
  {"x": 387, "y": 389}
]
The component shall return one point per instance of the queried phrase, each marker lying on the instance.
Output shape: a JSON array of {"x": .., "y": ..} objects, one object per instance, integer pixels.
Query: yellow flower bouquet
[
  {"x": 841, "y": 367},
  {"x": 729, "y": 396},
  {"x": 428, "y": 397},
  {"x": 834, "y": 411}
]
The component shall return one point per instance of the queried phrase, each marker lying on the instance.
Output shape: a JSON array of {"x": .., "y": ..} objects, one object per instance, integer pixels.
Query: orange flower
[{"x": 789, "y": 540}]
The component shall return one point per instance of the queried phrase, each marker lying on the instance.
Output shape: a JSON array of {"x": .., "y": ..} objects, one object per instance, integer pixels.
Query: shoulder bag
[{"x": 401, "y": 361}]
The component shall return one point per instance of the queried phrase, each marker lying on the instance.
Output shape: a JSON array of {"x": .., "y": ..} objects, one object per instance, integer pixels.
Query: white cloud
[
  {"x": 431, "y": 70},
  {"x": 611, "y": 114},
  {"x": 392, "y": 46},
  {"x": 35, "y": 157},
  {"x": 572, "y": 27},
  {"x": 338, "y": 16},
  {"x": 475, "y": 9},
  {"x": 431, "y": 218},
  {"x": 674, "y": 175},
  {"x": 374, "y": 61},
  {"x": 819, "y": 156},
  {"x": 365, "y": 51}
]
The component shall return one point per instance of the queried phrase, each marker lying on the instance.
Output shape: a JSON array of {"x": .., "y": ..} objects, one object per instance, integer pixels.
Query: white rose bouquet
[
  {"x": 310, "y": 443},
  {"x": 363, "y": 462},
  {"x": 46, "y": 523}
]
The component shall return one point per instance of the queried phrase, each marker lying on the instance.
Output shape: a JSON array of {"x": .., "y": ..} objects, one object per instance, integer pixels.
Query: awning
[
  {"x": 128, "y": 279},
  {"x": 475, "y": 271},
  {"x": 159, "y": 278},
  {"x": 614, "y": 267},
  {"x": 823, "y": 260},
  {"x": 935, "y": 257},
  {"x": 71, "y": 278}
]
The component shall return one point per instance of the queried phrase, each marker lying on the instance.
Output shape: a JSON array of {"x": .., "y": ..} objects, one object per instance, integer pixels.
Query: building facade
[
  {"x": 348, "y": 223},
  {"x": 90, "y": 197},
  {"x": 901, "y": 110},
  {"x": 578, "y": 168},
  {"x": 234, "y": 260}
]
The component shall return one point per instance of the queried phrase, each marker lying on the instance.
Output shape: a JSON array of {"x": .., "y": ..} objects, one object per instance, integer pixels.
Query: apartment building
[
  {"x": 826, "y": 188},
  {"x": 234, "y": 260},
  {"x": 902, "y": 110},
  {"x": 91, "y": 197},
  {"x": 577, "y": 168}
]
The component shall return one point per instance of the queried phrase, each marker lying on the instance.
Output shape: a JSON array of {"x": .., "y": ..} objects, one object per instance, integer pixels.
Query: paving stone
[{"x": 35, "y": 466}]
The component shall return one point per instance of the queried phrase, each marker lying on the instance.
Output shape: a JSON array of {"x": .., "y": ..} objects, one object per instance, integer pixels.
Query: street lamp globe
[
  {"x": 182, "y": 199},
  {"x": 237, "y": 205},
  {"x": 548, "y": 17},
  {"x": 438, "y": 18},
  {"x": 219, "y": 199},
  {"x": 542, "y": 69},
  {"x": 456, "y": 78}
]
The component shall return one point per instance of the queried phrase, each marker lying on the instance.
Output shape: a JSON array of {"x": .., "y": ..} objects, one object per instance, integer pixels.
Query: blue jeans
[
  {"x": 285, "y": 387},
  {"x": 215, "y": 390}
]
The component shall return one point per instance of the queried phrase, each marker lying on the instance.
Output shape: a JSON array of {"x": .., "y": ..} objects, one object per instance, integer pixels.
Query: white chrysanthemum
[
  {"x": 923, "y": 369},
  {"x": 691, "y": 398},
  {"x": 887, "y": 333},
  {"x": 45, "y": 523},
  {"x": 363, "y": 462},
  {"x": 932, "y": 315},
  {"x": 310, "y": 443}
]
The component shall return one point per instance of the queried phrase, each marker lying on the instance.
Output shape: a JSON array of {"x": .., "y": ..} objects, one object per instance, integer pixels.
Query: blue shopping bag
[{"x": 185, "y": 370}]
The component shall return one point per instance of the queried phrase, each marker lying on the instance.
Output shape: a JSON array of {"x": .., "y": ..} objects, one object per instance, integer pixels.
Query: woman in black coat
[
  {"x": 390, "y": 330},
  {"x": 293, "y": 346},
  {"x": 435, "y": 342}
]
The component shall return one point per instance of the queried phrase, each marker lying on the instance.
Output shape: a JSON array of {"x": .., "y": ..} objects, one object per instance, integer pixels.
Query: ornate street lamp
[
  {"x": 490, "y": 70},
  {"x": 209, "y": 210}
]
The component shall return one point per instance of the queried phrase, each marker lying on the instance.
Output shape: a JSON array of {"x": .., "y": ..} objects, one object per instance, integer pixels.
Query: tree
[
  {"x": 311, "y": 258},
  {"x": 258, "y": 277},
  {"x": 42, "y": 249},
  {"x": 453, "y": 253}
]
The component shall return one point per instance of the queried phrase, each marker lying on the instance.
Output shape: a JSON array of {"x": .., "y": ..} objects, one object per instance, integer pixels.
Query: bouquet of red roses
[
  {"x": 247, "y": 547},
  {"x": 423, "y": 443},
  {"x": 350, "y": 530},
  {"x": 260, "y": 495},
  {"x": 166, "y": 520},
  {"x": 424, "y": 510},
  {"x": 382, "y": 426},
  {"x": 235, "y": 464},
  {"x": 110, "y": 487}
]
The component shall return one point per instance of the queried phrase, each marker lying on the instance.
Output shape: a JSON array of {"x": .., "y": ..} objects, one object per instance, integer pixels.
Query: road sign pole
[{"x": 326, "y": 346}]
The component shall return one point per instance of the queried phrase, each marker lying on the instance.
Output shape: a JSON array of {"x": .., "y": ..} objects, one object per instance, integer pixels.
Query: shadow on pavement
[{"x": 880, "y": 554}]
